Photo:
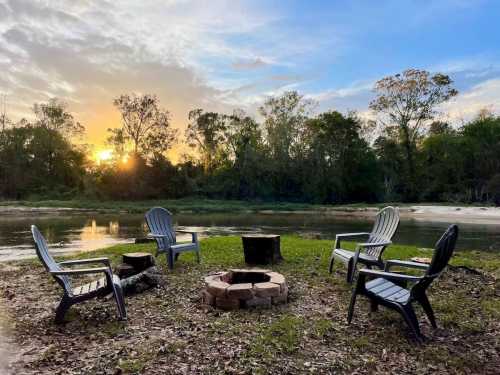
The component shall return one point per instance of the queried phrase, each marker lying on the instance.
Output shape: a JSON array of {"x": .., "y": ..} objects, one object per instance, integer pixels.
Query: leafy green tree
[
  {"x": 409, "y": 101},
  {"x": 28, "y": 168},
  {"x": 339, "y": 166},
  {"x": 54, "y": 116},
  {"x": 145, "y": 124},
  {"x": 206, "y": 133},
  {"x": 481, "y": 146},
  {"x": 443, "y": 156},
  {"x": 284, "y": 124}
]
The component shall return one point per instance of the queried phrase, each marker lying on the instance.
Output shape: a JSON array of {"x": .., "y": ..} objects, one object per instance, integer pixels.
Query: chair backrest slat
[
  {"x": 443, "y": 251},
  {"x": 386, "y": 224},
  {"x": 47, "y": 260},
  {"x": 159, "y": 221},
  {"x": 442, "y": 255}
]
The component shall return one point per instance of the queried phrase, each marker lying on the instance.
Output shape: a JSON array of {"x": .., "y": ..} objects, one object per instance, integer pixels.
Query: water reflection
[{"x": 88, "y": 232}]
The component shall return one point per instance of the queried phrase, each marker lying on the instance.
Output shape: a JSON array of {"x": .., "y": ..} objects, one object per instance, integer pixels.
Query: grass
[
  {"x": 170, "y": 331},
  {"x": 175, "y": 205}
]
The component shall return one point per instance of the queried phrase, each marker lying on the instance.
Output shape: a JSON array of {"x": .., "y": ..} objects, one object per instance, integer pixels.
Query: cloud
[
  {"x": 89, "y": 52},
  {"x": 467, "y": 105},
  {"x": 249, "y": 64}
]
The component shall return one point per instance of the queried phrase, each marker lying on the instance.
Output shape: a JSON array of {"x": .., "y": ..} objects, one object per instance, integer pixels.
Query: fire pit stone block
[
  {"x": 240, "y": 291},
  {"x": 207, "y": 298},
  {"x": 267, "y": 290},
  {"x": 227, "y": 303},
  {"x": 217, "y": 288}
]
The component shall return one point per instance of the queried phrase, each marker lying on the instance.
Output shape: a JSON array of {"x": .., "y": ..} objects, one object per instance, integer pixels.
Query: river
[{"x": 70, "y": 232}]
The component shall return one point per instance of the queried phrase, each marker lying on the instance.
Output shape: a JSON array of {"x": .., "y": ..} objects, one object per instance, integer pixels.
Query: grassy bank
[
  {"x": 200, "y": 205},
  {"x": 175, "y": 205},
  {"x": 171, "y": 331}
]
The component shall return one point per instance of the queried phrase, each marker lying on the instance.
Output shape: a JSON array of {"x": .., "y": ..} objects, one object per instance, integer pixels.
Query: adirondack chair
[
  {"x": 385, "y": 226},
  {"x": 159, "y": 221},
  {"x": 389, "y": 289},
  {"x": 61, "y": 272}
]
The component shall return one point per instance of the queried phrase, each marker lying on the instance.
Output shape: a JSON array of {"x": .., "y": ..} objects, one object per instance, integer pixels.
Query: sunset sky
[{"x": 219, "y": 55}]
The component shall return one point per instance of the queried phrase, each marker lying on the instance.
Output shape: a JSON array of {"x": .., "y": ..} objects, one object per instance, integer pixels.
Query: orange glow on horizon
[{"x": 103, "y": 156}]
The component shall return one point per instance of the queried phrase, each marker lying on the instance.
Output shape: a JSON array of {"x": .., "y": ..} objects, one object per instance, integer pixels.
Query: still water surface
[{"x": 84, "y": 232}]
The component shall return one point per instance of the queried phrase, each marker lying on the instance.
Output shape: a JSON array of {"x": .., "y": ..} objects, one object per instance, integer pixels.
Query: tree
[
  {"x": 146, "y": 124},
  {"x": 481, "y": 148},
  {"x": 284, "y": 124},
  {"x": 54, "y": 115},
  {"x": 205, "y": 132},
  {"x": 409, "y": 101},
  {"x": 118, "y": 141},
  {"x": 340, "y": 166}
]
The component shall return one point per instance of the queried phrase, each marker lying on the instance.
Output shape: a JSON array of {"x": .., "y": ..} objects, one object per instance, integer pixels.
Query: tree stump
[
  {"x": 262, "y": 248},
  {"x": 139, "y": 261},
  {"x": 125, "y": 270}
]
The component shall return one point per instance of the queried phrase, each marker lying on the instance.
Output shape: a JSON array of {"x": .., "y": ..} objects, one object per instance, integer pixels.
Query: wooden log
[
  {"x": 149, "y": 278},
  {"x": 261, "y": 248},
  {"x": 139, "y": 261}
]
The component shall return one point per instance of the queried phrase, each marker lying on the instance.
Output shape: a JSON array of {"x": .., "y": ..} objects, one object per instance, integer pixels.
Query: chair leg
[
  {"x": 176, "y": 256},
  {"x": 170, "y": 259},
  {"x": 424, "y": 302},
  {"x": 120, "y": 302},
  {"x": 198, "y": 258},
  {"x": 411, "y": 319},
  {"x": 350, "y": 314},
  {"x": 350, "y": 270},
  {"x": 61, "y": 310},
  {"x": 332, "y": 260},
  {"x": 373, "y": 306}
]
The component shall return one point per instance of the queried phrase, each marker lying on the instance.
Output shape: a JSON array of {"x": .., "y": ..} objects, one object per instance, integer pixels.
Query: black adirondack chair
[
  {"x": 160, "y": 225},
  {"x": 61, "y": 272},
  {"x": 389, "y": 288},
  {"x": 370, "y": 252}
]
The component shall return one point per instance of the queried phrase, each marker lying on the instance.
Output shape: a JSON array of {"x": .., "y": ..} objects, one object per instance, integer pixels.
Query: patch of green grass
[
  {"x": 321, "y": 327},
  {"x": 134, "y": 365},
  {"x": 491, "y": 306},
  {"x": 283, "y": 336},
  {"x": 361, "y": 342}
]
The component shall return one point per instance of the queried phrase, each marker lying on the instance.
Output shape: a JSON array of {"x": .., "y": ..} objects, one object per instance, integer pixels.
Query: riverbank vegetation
[
  {"x": 171, "y": 331},
  {"x": 291, "y": 153}
]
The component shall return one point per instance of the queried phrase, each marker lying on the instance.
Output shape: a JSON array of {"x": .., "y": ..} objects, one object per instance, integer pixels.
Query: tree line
[{"x": 289, "y": 154}]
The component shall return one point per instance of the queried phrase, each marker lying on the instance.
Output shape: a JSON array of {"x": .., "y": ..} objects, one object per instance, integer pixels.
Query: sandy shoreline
[{"x": 433, "y": 213}]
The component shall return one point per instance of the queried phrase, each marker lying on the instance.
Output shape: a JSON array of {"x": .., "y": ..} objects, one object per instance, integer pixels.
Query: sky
[{"x": 221, "y": 55}]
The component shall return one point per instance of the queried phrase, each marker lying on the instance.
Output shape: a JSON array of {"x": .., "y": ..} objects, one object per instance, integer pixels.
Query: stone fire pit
[{"x": 242, "y": 288}]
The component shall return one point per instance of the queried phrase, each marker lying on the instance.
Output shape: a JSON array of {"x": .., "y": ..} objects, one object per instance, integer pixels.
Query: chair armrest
[
  {"x": 404, "y": 263},
  {"x": 343, "y": 235},
  {"x": 194, "y": 235},
  {"x": 82, "y": 271},
  {"x": 374, "y": 244},
  {"x": 389, "y": 275},
  {"x": 86, "y": 261},
  {"x": 339, "y": 237},
  {"x": 154, "y": 235}
]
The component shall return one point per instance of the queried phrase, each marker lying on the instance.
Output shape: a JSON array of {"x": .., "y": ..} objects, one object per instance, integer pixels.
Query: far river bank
[{"x": 426, "y": 212}]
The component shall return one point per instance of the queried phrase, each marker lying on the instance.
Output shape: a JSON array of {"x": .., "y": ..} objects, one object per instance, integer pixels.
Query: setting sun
[{"x": 103, "y": 155}]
